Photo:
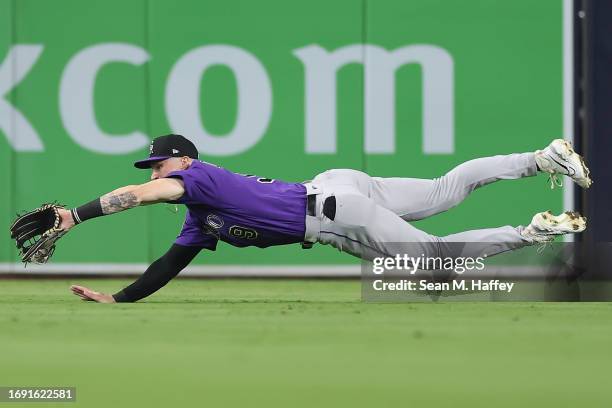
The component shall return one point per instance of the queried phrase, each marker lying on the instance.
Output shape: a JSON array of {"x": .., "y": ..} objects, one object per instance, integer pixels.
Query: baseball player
[{"x": 347, "y": 209}]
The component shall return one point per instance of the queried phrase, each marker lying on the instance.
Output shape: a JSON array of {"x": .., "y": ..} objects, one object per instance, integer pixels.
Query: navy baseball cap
[{"x": 167, "y": 146}]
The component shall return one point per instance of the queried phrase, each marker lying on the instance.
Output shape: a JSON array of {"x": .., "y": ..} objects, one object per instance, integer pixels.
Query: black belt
[
  {"x": 311, "y": 203},
  {"x": 311, "y": 209},
  {"x": 329, "y": 210}
]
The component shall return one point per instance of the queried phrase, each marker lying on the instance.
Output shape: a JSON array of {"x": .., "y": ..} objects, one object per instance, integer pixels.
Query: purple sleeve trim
[{"x": 184, "y": 199}]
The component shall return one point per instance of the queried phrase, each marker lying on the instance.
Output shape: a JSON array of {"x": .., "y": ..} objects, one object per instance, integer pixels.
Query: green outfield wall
[{"x": 279, "y": 89}]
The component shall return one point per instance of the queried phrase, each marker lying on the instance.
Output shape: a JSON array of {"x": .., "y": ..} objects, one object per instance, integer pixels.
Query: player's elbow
[{"x": 161, "y": 190}]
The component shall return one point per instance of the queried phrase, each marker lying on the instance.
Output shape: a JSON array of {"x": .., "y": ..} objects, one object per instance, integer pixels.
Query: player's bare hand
[
  {"x": 91, "y": 295},
  {"x": 67, "y": 220}
]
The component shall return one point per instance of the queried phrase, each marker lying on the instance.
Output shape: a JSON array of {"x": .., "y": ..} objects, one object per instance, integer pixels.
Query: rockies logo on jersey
[
  {"x": 212, "y": 225},
  {"x": 214, "y": 221}
]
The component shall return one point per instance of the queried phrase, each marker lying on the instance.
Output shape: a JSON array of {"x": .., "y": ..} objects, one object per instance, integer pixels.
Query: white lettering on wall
[
  {"x": 76, "y": 99},
  {"x": 20, "y": 133},
  {"x": 254, "y": 99},
  {"x": 380, "y": 66}
]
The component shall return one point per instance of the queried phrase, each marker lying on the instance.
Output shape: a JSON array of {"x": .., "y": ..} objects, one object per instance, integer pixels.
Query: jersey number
[
  {"x": 242, "y": 232},
  {"x": 262, "y": 180}
]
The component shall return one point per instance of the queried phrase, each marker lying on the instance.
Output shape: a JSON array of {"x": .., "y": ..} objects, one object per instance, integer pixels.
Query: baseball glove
[{"x": 36, "y": 231}]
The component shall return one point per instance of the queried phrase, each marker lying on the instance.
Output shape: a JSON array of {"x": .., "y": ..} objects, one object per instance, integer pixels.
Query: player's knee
[{"x": 448, "y": 192}]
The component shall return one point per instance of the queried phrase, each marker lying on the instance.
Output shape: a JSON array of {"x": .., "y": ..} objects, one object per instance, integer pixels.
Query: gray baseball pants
[{"x": 372, "y": 213}]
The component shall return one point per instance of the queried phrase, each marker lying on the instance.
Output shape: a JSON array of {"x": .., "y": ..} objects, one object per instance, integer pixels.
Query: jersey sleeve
[
  {"x": 198, "y": 184},
  {"x": 189, "y": 196},
  {"x": 193, "y": 235}
]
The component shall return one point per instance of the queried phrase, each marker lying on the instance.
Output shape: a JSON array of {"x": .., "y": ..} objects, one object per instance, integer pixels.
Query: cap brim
[{"x": 147, "y": 163}]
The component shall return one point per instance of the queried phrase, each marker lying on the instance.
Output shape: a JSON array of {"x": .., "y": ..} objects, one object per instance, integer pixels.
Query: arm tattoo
[{"x": 112, "y": 203}]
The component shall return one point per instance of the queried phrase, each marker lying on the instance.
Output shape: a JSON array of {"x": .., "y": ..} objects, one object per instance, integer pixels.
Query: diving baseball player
[{"x": 347, "y": 209}]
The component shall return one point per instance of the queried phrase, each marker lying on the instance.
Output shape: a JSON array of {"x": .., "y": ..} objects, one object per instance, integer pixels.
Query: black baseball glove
[{"x": 36, "y": 231}]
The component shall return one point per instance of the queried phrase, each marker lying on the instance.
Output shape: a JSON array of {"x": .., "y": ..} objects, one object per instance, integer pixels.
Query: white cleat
[
  {"x": 545, "y": 226},
  {"x": 559, "y": 157}
]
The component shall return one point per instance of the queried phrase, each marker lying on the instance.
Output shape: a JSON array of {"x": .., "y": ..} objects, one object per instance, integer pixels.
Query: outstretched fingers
[
  {"x": 82, "y": 292},
  {"x": 88, "y": 294}
]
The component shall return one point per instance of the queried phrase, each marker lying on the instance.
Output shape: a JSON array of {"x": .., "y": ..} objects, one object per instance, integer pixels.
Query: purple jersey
[{"x": 238, "y": 209}]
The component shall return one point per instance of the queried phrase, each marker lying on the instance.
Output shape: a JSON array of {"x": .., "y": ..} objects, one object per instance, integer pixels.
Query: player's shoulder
[
  {"x": 198, "y": 166},
  {"x": 205, "y": 164}
]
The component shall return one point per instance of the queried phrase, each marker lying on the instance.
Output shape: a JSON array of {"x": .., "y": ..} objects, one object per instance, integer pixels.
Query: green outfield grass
[{"x": 294, "y": 343}]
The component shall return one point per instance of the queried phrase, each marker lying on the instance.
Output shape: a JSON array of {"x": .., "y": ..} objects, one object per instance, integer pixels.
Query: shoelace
[
  {"x": 542, "y": 246},
  {"x": 555, "y": 181}
]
